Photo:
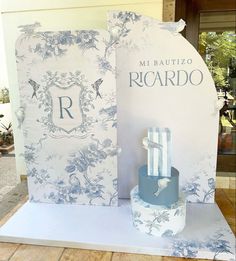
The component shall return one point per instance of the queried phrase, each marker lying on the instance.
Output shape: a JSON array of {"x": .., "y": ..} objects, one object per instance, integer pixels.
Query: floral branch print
[
  {"x": 201, "y": 187},
  {"x": 185, "y": 248},
  {"x": 56, "y": 44},
  {"x": 66, "y": 193},
  {"x": 113, "y": 197},
  {"x": 191, "y": 189},
  {"x": 104, "y": 65},
  {"x": 86, "y": 39},
  {"x": 190, "y": 249},
  {"x": 39, "y": 176},
  {"x": 91, "y": 155},
  {"x": 119, "y": 31},
  {"x": 93, "y": 189},
  {"x": 88, "y": 157},
  {"x": 31, "y": 151},
  {"x": 179, "y": 212},
  {"x": 29, "y": 29},
  {"x": 30, "y": 154},
  {"x": 109, "y": 115},
  {"x": 50, "y": 46},
  {"x": 158, "y": 218},
  {"x": 218, "y": 245},
  {"x": 136, "y": 218},
  {"x": 211, "y": 191},
  {"x": 168, "y": 233}
]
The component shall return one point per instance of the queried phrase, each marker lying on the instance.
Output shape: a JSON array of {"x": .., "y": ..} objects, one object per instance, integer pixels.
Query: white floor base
[{"x": 206, "y": 235}]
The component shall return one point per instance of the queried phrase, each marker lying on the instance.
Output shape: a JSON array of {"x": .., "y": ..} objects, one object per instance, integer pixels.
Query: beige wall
[
  {"x": 3, "y": 69},
  {"x": 56, "y": 15}
]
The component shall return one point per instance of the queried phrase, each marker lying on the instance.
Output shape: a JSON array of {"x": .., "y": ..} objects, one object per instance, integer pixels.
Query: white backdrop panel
[
  {"x": 68, "y": 111},
  {"x": 162, "y": 81}
]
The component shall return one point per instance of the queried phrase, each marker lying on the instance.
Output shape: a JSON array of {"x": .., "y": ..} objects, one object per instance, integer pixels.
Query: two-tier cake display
[{"x": 157, "y": 206}]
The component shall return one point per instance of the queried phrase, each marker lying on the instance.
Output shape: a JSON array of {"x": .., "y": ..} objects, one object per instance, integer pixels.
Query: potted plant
[
  {"x": 4, "y": 95},
  {"x": 6, "y": 138}
]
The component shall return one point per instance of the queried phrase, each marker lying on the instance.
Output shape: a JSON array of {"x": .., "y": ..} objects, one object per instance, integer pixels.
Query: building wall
[
  {"x": 3, "y": 69},
  {"x": 168, "y": 10},
  {"x": 55, "y": 15}
]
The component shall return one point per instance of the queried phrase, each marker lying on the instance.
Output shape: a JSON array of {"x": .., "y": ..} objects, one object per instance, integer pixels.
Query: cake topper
[{"x": 162, "y": 184}]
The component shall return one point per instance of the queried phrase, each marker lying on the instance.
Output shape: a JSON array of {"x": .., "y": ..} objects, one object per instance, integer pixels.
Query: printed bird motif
[
  {"x": 20, "y": 115},
  {"x": 148, "y": 144},
  {"x": 162, "y": 184},
  {"x": 35, "y": 86},
  {"x": 29, "y": 28},
  {"x": 96, "y": 86},
  {"x": 219, "y": 104},
  {"x": 174, "y": 27}
]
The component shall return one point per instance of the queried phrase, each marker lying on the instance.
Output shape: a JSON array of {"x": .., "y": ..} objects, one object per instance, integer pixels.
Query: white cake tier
[{"x": 157, "y": 220}]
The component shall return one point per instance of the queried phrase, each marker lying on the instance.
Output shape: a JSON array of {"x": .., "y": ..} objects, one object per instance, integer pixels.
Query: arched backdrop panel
[{"x": 162, "y": 81}]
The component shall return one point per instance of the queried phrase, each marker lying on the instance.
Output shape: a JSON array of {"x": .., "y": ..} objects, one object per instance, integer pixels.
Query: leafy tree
[{"x": 217, "y": 49}]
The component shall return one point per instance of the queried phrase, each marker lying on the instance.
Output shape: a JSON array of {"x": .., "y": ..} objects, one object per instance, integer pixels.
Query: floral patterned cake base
[
  {"x": 157, "y": 220},
  {"x": 206, "y": 234}
]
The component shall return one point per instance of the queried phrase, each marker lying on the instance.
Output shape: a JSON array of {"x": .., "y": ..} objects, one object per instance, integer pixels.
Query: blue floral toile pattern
[
  {"x": 29, "y": 29},
  {"x": 56, "y": 43},
  {"x": 87, "y": 158},
  {"x": 216, "y": 244},
  {"x": 74, "y": 186},
  {"x": 167, "y": 223},
  {"x": 122, "y": 25},
  {"x": 200, "y": 187},
  {"x": 120, "y": 29},
  {"x": 39, "y": 176},
  {"x": 192, "y": 189},
  {"x": 70, "y": 115},
  {"x": 155, "y": 223},
  {"x": 161, "y": 221},
  {"x": 86, "y": 39},
  {"x": 109, "y": 114}
]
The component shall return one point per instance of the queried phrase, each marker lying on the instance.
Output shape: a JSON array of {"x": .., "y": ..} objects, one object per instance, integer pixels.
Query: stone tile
[
  {"x": 7, "y": 172},
  {"x": 232, "y": 182},
  {"x": 222, "y": 182},
  {"x": 11, "y": 199},
  {"x": 4, "y": 191}
]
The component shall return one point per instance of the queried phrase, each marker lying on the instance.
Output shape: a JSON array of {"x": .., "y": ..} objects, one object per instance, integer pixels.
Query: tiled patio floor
[
  {"x": 10, "y": 192},
  {"x": 8, "y": 179}
]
